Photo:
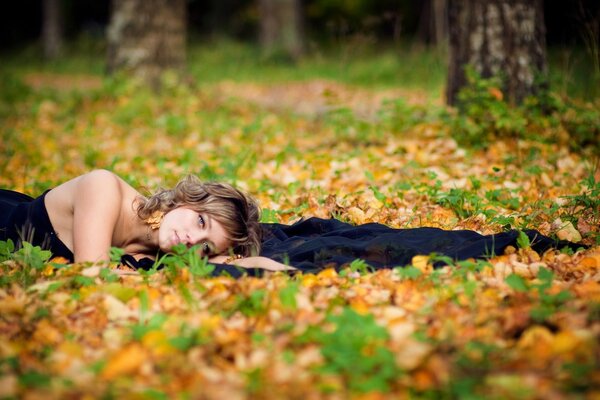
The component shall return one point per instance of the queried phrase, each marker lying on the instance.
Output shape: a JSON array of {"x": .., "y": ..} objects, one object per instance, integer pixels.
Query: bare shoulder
[
  {"x": 97, "y": 183},
  {"x": 101, "y": 178},
  {"x": 86, "y": 212}
]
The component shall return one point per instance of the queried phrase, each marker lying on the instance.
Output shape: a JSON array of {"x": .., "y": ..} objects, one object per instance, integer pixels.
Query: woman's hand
[{"x": 253, "y": 262}]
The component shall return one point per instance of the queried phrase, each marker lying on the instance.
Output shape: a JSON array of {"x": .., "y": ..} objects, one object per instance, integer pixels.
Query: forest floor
[{"x": 519, "y": 325}]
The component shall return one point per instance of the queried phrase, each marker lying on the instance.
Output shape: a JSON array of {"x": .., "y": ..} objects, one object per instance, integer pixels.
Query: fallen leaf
[{"x": 126, "y": 361}]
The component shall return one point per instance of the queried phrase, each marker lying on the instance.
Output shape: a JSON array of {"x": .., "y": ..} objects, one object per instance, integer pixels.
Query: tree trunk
[
  {"x": 433, "y": 22},
  {"x": 52, "y": 28},
  {"x": 147, "y": 37},
  {"x": 504, "y": 38},
  {"x": 281, "y": 28}
]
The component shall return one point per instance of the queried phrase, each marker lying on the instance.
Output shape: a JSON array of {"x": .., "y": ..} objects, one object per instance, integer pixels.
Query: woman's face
[{"x": 184, "y": 225}]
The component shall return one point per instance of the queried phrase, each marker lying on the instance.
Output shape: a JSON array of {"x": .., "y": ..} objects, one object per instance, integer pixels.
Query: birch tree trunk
[
  {"x": 281, "y": 28},
  {"x": 147, "y": 37},
  {"x": 52, "y": 39},
  {"x": 504, "y": 38}
]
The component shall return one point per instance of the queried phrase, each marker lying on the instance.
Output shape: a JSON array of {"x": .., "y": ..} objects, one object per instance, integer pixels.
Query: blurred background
[
  {"x": 325, "y": 21},
  {"x": 259, "y": 33}
]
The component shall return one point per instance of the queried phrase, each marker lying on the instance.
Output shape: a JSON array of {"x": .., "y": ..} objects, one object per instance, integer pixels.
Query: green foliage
[
  {"x": 548, "y": 303},
  {"x": 80, "y": 281},
  {"x": 31, "y": 256},
  {"x": 6, "y": 250},
  {"x": 187, "y": 338},
  {"x": 545, "y": 303},
  {"x": 523, "y": 240},
  {"x": 34, "y": 379},
  {"x": 119, "y": 291},
  {"x": 287, "y": 295},
  {"x": 153, "y": 394},
  {"x": 484, "y": 115},
  {"x": 268, "y": 216},
  {"x": 108, "y": 276},
  {"x": 12, "y": 92},
  {"x": 586, "y": 202},
  {"x": 463, "y": 202},
  {"x": 399, "y": 116},
  {"x": 408, "y": 272},
  {"x": 31, "y": 260},
  {"x": 138, "y": 331},
  {"x": 516, "y": 282},
  {"x": 255, "y": 304},
  {"x": 359, "y": 266},
  {"x": 476, "y": 356},
  {"x": 359, "y": 355},
  {"x": 115, "y": 254},
  {"x": 184, "y": 257}
]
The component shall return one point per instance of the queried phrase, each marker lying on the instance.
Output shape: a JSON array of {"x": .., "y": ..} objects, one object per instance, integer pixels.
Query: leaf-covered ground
[{"x": 522, "y": 325}]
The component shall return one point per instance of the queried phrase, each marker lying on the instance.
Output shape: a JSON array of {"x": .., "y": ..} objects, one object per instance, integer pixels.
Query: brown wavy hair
[{"x": 236, "y": 211}]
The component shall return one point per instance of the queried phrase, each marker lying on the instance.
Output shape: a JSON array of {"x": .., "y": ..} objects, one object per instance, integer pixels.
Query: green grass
[
  {"x": 373, "y": 65},
  {"x": 380, "y": 66},
  {"x": 572, "y": 73}
]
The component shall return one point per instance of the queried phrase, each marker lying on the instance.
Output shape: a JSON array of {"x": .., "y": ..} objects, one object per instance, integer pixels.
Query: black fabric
[
  {"x": 314, "y": 243},
  {"x": 25, "y": 219}
]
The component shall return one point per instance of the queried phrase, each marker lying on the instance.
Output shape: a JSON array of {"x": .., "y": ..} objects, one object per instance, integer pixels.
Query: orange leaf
[
  {"x": 592, "y": 261},
  {"x": 59, "y": 260},
  {"x": 496, "y": 93},
  {"x": 126, "y": 361}
]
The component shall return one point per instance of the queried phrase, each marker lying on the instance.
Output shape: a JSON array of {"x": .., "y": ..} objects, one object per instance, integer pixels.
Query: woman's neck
[{"x": 136, "y": 236}]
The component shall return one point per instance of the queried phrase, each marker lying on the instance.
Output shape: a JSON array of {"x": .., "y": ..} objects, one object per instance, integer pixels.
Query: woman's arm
[
  {"x": 97, "y": 204},
  {"x": 254, "y": 262}
]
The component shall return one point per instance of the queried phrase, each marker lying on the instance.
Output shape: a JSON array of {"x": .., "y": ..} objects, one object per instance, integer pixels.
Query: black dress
[
  {"x": 308, "y": 245},
  {"x": 314, "y": 243},
  {"x": 25, "y": 219}
]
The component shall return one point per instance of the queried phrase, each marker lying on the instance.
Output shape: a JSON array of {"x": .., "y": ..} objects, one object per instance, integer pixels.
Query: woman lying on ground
[
  {"x": 86, "y": 216},
  {"x": 83, "y": 218}
]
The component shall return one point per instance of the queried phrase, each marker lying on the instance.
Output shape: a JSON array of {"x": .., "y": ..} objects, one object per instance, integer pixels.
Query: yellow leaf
[
  {"x": 359, "y": 305},
  {"x": 357, "y": 215},
  {"x": 12, "y": 306},
  {"x": 537, "y": 342},
  {"x": 565, "y": 342},
  {"x": 566, "y": 231},
  {"x": 48, "y": 270},
  {"x": 156, "y": 341},
  {"x": 46, "y": 333},
  {"x": 309, "y": 280},
  {"x": 125, "y": 361},
  {"x": 327, "y": 273},
  {"x": 422, "y": 263}
]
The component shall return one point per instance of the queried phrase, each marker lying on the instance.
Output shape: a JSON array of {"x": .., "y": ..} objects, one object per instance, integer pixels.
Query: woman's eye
[{"x": 201, "y": 221}]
